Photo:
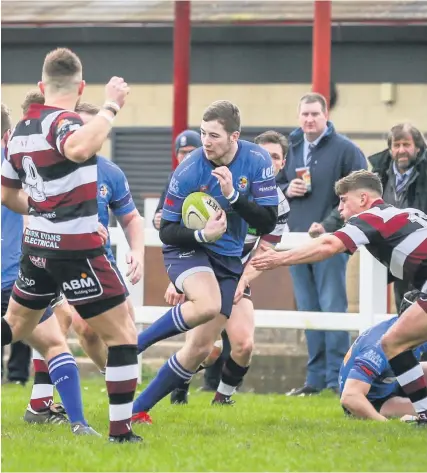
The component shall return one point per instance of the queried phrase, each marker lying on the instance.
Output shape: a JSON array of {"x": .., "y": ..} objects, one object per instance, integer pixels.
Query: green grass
[{"x": 259, "y": 433}]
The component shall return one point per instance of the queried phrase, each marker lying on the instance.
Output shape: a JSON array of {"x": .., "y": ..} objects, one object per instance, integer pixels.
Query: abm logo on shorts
[{"x": 84, "y": 282}]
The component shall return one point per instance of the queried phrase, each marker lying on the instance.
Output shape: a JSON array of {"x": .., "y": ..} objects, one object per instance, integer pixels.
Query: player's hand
[
  {"x": 116, "y": 91},
  {"x": 103, "y": 233},
  {"x": 296, "y": 188},
  {"x": 269, "y": 259},
  {"x": 216, "y": 226},
  {"x": 225, "y": 180},
  {"x": 135, "y": 266},
  {"x": 316, "y": 230},
  {"x": 243, "y": 283},
  {"x": 157, "y": 219},
  {"x": 172, "y": 297}
]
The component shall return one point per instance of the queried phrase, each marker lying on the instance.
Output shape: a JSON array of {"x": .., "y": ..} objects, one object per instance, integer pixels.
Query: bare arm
[
  {"x": 133, "y": 226},
  {"x": 15, "y": 199},
  {"x": 354, "y": 399},
  {"x": 316, "y": 250},
  {"x": 87, "y": 140}
]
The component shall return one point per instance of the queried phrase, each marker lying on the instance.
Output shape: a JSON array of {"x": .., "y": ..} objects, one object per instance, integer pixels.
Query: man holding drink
[{"x": 317, "y": 158}]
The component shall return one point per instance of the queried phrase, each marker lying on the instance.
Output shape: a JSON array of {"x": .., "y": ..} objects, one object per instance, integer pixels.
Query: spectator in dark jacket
[
  {"x": 402, "y": 168},
  {"x": 185, "y": 143},
  {"x": 318, "y": 150}
]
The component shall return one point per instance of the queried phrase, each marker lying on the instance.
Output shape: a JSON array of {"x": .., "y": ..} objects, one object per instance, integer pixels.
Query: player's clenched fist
[{"x": 116, "y": 91}]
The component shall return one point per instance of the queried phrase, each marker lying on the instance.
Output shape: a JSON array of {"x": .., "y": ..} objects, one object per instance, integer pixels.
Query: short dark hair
[
  {"x": 356, "y": 180},
  {"x": 33, "y": 96},
  {"x": 274, "y": 137},
  {"x": 226, "y": 113},
  {"x": 6, "y": 123},
  {"x": 86, "y": 107},
  {"x": 62, "y": 69},
  {"x": 314, "y": 97},
  {"x": 401, "y": 131}
]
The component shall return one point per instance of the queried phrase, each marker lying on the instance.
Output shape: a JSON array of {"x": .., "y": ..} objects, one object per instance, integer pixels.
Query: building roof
[{"x": 206, "y": 11}]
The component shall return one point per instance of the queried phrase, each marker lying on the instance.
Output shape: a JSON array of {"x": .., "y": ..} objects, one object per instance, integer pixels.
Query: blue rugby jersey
[{"x": 253, "y": 176}]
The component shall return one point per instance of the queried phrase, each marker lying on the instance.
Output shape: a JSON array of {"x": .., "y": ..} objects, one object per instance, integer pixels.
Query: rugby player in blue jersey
[
  {"x": 367, "y": 384},
  {"x": 206, "y": 264}
]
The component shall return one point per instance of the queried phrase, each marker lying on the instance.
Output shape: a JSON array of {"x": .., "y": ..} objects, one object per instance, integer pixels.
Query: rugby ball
[
  {"x": 213, "y": 355},
  {"x": 197, "y": 208}
]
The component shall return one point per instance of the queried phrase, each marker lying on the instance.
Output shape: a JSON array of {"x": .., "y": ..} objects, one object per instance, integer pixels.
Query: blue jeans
[{"x": 321, "y": 287}]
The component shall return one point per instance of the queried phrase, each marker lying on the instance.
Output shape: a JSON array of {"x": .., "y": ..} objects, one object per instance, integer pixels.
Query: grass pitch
[{"x": 259, "y": 433}]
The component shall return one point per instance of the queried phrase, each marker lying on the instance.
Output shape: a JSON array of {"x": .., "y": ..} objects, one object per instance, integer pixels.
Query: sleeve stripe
[
  {"x": 356, "y": 234},
  {"x": 347, "y": 241},
  {"x": 12, "y": 183}
]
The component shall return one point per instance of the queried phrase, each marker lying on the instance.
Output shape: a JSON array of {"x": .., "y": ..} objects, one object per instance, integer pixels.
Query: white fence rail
[{"x": 372, "y": 293}]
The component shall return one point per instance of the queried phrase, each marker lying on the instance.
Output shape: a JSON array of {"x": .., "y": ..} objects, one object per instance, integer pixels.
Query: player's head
[
  {"x": 357, "y": 192},
  {"x": 313, "y": 114},
  {"x": 185, "y": 143},
  {"x": 6, "y": 124},
  {"x": 86, "y": 111},
  {"x": 405, "y": 142},
  {"x": 277, "y": 145},
  {"x": 33, "y": 96},
  {"x": 220, "y": 129},
  {"x": 62, "y": 75}
]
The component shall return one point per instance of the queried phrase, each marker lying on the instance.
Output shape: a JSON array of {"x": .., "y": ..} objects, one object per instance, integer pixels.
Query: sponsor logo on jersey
[
  {"x": 268, "y": 173},
  {"x": 174, "y": 186}
]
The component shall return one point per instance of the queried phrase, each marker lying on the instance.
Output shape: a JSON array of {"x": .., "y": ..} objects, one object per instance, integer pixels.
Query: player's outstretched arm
[
  {"x": 316, "y": 250},
  {"x": 354, "y": 399}
]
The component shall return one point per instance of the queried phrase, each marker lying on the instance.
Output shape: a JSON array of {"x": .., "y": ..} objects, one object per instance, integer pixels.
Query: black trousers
[
  {"x": 212, "y": 375},
  {"x": 18, "y": 366}
]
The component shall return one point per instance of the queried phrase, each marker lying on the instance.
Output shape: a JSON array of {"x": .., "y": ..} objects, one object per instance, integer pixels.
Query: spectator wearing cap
[{"x": 185, "y": 142}]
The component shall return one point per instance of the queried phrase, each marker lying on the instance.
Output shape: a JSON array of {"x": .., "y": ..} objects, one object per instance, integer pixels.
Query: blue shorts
[
  {"x": 5, "y": 296},
  {"x": 181, "y": 263}
]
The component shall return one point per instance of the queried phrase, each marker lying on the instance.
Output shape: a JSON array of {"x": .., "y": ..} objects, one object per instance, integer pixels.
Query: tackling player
[
  {"x": 206, "y": 264},
  {"x": 398, "y": 239}
]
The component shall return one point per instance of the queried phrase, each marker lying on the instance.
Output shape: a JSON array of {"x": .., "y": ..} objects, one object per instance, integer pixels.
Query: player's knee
[
  {"x": 243, "y": 348},
  {"x": 208, "y": 308},
  {"x": 88, "y": 334}
]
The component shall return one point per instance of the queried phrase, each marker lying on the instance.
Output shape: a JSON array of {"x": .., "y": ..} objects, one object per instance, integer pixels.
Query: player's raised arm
[{"x": 80, "y": 143}]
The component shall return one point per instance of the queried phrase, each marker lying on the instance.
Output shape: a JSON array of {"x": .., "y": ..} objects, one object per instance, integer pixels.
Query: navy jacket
[{"x": 334, "y": 157}]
